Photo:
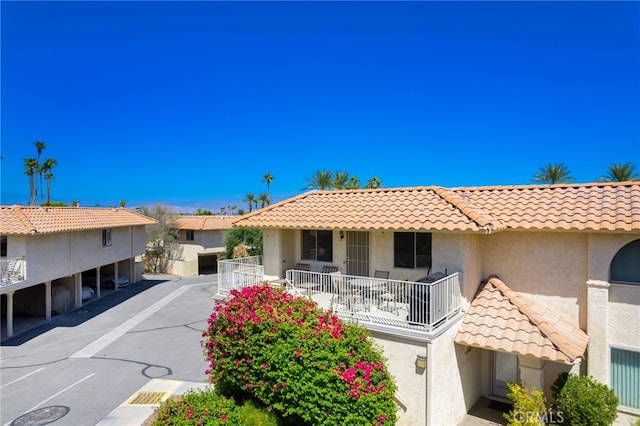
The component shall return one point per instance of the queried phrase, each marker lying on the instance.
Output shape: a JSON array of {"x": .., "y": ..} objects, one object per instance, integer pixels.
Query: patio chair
[
  {"x": 346, "y": 295},
  {"x": 392, "y": 294},
  {"x": 327, "y": 269},
  {"x": 381, "y": 274},
  {"x": 302, "y": 267}
]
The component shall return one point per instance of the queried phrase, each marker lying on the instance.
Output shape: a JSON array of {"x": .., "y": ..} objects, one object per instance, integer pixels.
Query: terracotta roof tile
[
  {"x": 579, "y": 207},
  {"x": 205, "y": 222},
  {"x": 501, "y": 319},
  {"x": 42, "y": 220}
]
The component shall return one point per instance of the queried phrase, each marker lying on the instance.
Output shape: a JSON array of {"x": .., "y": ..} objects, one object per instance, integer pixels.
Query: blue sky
[{"x": 191, "y": 103}]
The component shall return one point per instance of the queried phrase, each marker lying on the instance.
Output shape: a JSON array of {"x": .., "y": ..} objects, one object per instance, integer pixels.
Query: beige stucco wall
[
  {"x": 53, "y": 256},
  {"x": 454, "y": 383},
  {"x": 550, "y": 268},
  {"x": 401, "y": 354}
]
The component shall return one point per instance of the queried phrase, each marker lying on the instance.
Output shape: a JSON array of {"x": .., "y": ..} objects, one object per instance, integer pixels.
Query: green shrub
[
  {"x": 298, "y": 360},
  {"x": 583, "y": 401},
  {"x": 528, "y": 408},
  {"x": 198, "y": 408}
]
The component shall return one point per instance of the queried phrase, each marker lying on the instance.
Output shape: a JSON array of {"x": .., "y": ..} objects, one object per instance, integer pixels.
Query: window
[
  {"x": 3, "y": 246},
  {"x": 412, "y": 250},
  {"x": 190, "y": 235},
  {"x": 106, "y": 238},
  {"x": 317, "y": 245},
  {"x": 625, "y": 267},
  {"x": 625, "y": 376}
]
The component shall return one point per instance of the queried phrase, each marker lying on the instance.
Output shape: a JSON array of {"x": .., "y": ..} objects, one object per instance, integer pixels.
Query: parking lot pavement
[{"x": 84, "y": 365}]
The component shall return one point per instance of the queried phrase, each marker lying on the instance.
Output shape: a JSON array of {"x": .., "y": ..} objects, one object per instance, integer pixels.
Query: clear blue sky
[{"x": 190, "y": 104}]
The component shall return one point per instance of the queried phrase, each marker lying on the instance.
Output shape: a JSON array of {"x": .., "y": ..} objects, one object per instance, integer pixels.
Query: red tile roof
[
  {"x": 578, "y": 207},
  {"x": 503, "y": 320},
  {"x": 42, "y": 220},
  {"x": 205, "y": 223}
]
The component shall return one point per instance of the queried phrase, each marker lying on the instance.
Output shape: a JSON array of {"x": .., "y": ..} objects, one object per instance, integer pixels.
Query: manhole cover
[
  {"x": 41, "y": 416},
  {"x": 147, "y": 398}
]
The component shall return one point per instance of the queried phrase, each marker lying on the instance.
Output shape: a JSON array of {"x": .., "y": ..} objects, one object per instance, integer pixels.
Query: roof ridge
[
  {"x": 544, "y": 186},
  {"x": 23, "y": 219},
  {"x": 478, "y": 215},
  {"x": 527, "y": 308}
]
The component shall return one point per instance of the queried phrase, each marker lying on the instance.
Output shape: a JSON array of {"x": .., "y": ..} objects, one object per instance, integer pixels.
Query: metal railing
[
  {"x": 405, "y": 304},
  {"x": 12, "y": 271},
  {"x": 238, "y": 273}
]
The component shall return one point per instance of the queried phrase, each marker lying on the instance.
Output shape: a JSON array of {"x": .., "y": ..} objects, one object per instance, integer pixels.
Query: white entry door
[{"x": 505, "y": 369}]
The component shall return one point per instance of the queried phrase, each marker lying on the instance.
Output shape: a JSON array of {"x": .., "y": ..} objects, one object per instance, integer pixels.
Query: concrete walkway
[{"x": 137, "y": 408}]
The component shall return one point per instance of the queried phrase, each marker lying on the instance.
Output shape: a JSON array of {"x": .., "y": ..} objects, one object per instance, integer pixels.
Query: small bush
[
  {"x": 583, "y": 401},
  {"x": 528, "y": 408},
  {"x": 198, "y": 408},
  {"x": 298, "y": 360},
  {"x": 209, "y": 408}
]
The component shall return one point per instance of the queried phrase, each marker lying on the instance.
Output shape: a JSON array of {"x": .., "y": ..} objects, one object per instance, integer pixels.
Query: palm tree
[
  {"x": 30, "y": 168},
  {"x": 39, "y": 147},
  {"x": 123, "y": 203},
  {"x": 552, "y": 174},
  {"x": 320, "y": 179},
  {"x": 620, "y": 173},
  {"x": 373, "y": 183},
  {"x": 255, "y": 202},
  {"x": 45, "y": 170},
  {"x": 268, "y": 178},
  {"x": 249, "y": 198},
  {"x": 354, "y": 183},
  {"x": 264, "y": 199},
  {"x": 340, "y": 180}
]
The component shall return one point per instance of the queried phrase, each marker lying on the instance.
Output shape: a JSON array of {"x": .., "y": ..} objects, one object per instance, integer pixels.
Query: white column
[
  {"x": 98, "y": 282},
  {"x": 9, "y": 313},
  {"x": 597, "y": 329},
  {"x": 77, "y": 290},
  {"x": 531, "y": 372},
  {"x": 115, "y": 271},
  {"x": 47, "y": 299}
]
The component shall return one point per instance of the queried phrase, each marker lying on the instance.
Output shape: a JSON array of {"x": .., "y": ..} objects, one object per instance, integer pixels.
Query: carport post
[
  {"x": 98, "y": 282},
  {"x": 77, "y": 287},
  {"x": 116, "y": 277},
  {"x": 47, "y": 299},
  {"x": 9, "y": 313}
]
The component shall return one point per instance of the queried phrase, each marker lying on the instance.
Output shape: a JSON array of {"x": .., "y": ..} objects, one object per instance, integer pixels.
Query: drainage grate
[{"x": 147, "y": 398}]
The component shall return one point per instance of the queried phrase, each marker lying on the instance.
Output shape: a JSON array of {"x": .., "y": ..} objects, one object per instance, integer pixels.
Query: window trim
[
  {"x": 315, "y": 250},
  {"x": 106, "y": 237},
  {"x": 415, "y": 250}
]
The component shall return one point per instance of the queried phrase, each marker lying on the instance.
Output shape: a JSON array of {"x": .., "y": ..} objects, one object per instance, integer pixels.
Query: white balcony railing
[
  {"x": 419, "y": 306},
  {"x": 239, "y": 273},
  {"x": 373, "y": 302},
  {"x": 13, "y": 271}
]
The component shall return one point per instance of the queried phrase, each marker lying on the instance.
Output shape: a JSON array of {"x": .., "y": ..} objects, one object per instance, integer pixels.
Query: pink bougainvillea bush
[{"x": 298, "y": 360}]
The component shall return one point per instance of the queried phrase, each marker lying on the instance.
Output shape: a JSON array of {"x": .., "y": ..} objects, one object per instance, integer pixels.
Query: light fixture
[
  {"x": 421, "y": 361},
  {"x": 341, "y": 234}
]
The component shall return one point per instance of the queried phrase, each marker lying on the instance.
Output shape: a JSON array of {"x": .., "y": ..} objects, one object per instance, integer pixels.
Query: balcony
[
  {"x": 384, "y": 304},
  {"x": 13, "y": 271},
  {"x": 399, "y": 307}
]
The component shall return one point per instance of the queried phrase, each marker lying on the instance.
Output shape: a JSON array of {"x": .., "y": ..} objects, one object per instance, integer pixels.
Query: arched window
[{"x": 625, "y": 266}]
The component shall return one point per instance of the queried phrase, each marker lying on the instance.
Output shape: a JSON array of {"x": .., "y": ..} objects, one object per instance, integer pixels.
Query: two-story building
[
  {"x": 46, "y": 251},
  {"x": 466, "y": 289},
  {"x": 201, "y": 242}
]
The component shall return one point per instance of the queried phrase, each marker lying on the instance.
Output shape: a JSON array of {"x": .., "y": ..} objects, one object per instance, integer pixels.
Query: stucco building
[
  {"x": 518, "y": 283},
  {"x": 46, "y": 250},
  {"x": 201, "y": 242}
]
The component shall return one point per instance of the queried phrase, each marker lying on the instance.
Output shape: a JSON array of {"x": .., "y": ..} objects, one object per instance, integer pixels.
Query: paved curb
[{"x": 128, "y": 414}]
